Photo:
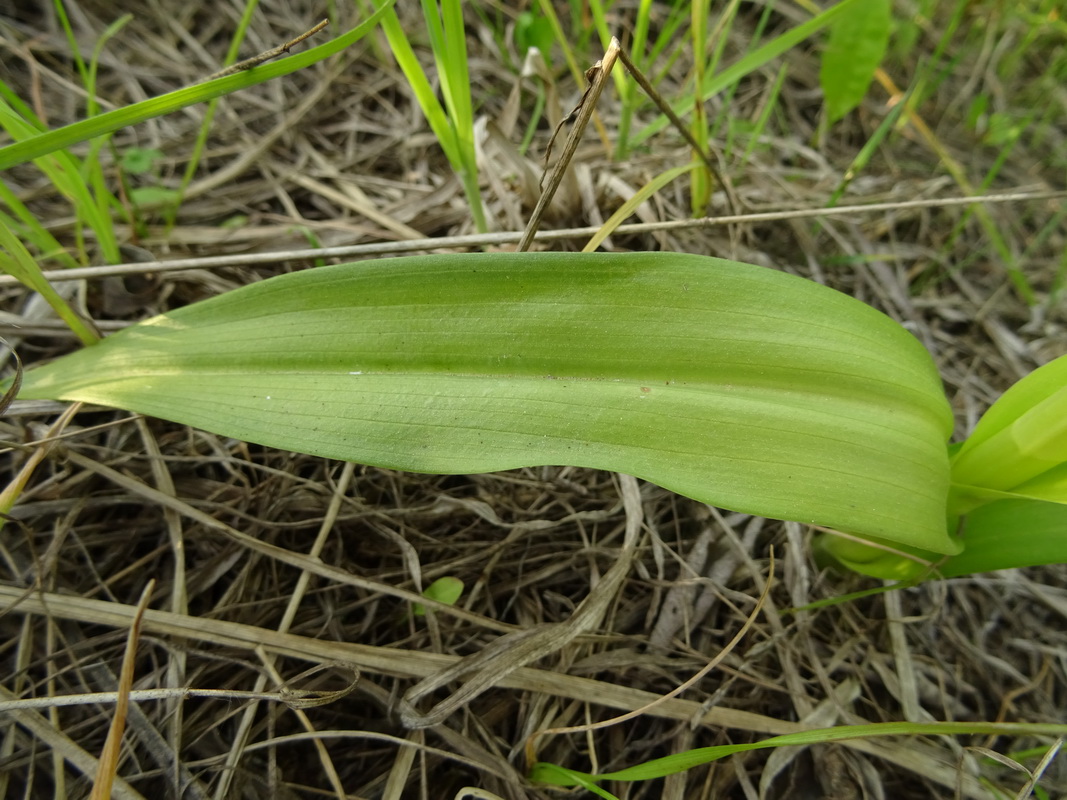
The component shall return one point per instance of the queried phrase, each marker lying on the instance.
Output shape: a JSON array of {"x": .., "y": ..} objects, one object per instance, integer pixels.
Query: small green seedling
[{"x": 445, "y": 590}]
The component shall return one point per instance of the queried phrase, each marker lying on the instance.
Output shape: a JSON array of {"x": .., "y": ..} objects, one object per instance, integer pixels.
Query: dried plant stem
[
  {"x": 598, "y": 76},
  {"x": 109, "y": 756},
  {"x": 531, "y": 742},
  {"x": 731, "y": 198},
  {"x": 266, "y": 55},
  {"x": 510, "y": 237}
]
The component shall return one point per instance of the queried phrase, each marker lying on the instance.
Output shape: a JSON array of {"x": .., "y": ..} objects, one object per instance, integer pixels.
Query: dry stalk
[{"x": 266, "y": 55}]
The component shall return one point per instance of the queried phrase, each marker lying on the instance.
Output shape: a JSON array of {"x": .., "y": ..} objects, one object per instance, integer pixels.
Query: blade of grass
[
  {"x": 868, "y": 150},
  {"x": 959, "y": 174},
  {"x": 720, "y": 35},
  {"x": 631, "y": 100},
  {"x": 29, "y": 229},
  {"x": 72, "y": 41},
  {"x": 628, "y": 208},
  {"x": 66, "y": 173},
  {"x": 764, "y": 116},
  {"x": 699, "y": 186},
  {"x": 454, "y": 130},
  {"x": 19, "y": 263},
  {"x": 624, "y": 86},
  {"x": 669, "y": 765},
  {"x": 448, "y": 33},
  {"x": 572, "y": 62}
]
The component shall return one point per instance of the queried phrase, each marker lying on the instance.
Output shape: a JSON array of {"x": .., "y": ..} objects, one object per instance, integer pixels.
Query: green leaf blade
[
  {"x": 857, "y": 44},
  {"x": 1011, "y": 533},
  {"x": 1021, "y": 437},
  {"x": 736, "y": 385}
]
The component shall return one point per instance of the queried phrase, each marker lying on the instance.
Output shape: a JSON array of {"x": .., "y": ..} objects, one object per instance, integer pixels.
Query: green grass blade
[
  {"x": 171, "y": 209},
  {"x": 737, "y": 385},
  {"x": 420, "y": 86},
  {"x": 29, "y": 228},
  {"x": 700, "y": 181},
  {"x": 19, "y": 263},
  {"x": 630, "y": 98},
  {"x": 94, "y": 64},
  {"x": 72, "y": 39},
  {"x": 67, "y": 174},
  {"x": 625, "y": 86},
  {"x": 680, "y": 762},
  {"x": 454, "y": 130},
  {"x": 630, "y": 206},
  {"x": 870, "y": 147},
  {"x": 765, "y": 115},
  {"x": 69, "y": 135}
]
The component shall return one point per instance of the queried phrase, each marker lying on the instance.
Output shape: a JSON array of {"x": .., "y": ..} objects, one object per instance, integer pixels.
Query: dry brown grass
[{"x": 281, "y": 621}]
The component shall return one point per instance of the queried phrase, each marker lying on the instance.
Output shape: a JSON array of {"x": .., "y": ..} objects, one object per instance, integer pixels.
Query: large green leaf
[{"x": 736, "y": 385}]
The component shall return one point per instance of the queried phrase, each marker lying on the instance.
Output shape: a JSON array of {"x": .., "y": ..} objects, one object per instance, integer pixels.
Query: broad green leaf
[
  {"x": 857, "y": 44},
  {"x": 1050, "y": 485},
  {"x": 1022, "y": 436},
  {"x": 737, "y": 385}
]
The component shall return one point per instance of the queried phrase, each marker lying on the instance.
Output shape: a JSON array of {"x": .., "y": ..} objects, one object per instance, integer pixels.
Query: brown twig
[
  {"x": 109, "y": 757},
  {"x": 598, "y": 75},
  {"x": 266, "y": 55},
  {"x": 705, "y": 156}
]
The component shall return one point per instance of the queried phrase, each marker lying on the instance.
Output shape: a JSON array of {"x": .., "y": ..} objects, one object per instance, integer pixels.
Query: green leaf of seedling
[
  {"x": 139, "y": 160},
  {"x": 153, "y": 196},
  {"x": 737, "y": 385},
  {"x": 532, "y": 30},
  {"x": 857, "y": 44},
  {"x": 445, "y": 590}
]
